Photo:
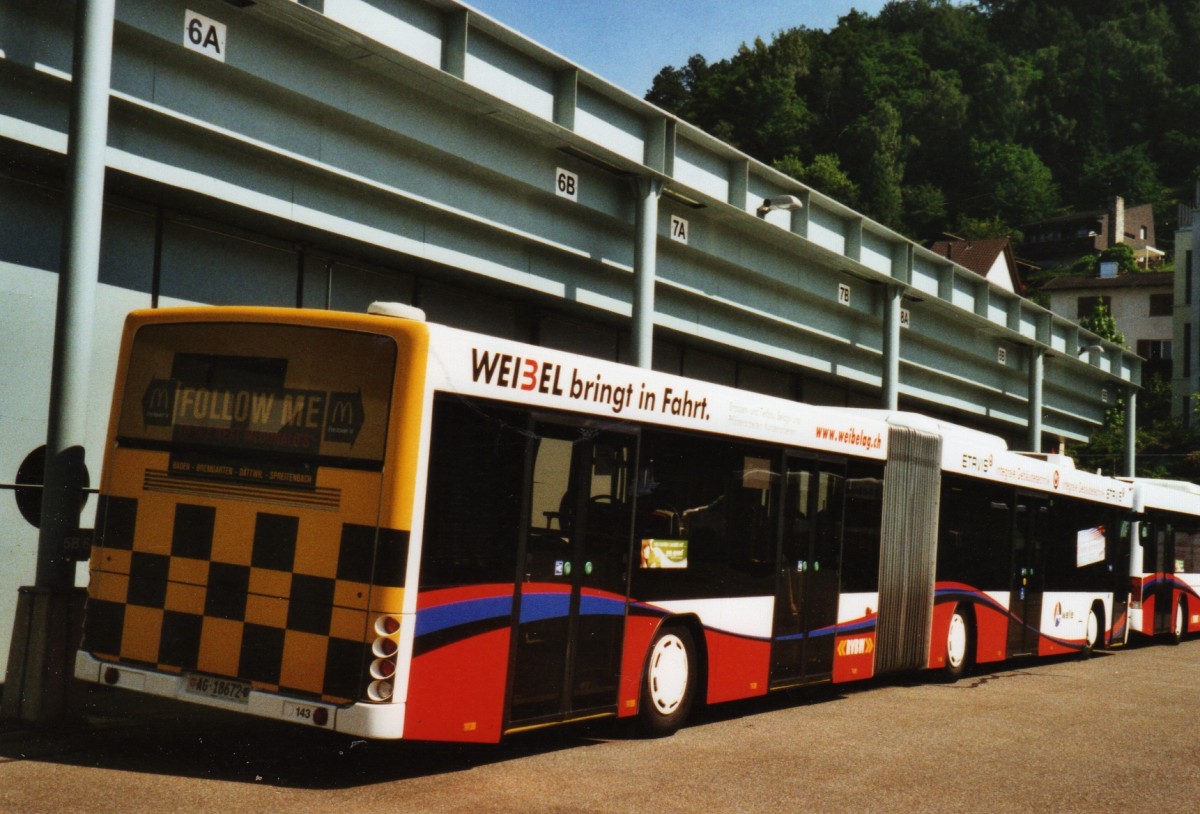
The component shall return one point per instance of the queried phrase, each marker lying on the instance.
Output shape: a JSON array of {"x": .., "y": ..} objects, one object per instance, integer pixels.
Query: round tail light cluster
[{"x": 383, "y": 666}]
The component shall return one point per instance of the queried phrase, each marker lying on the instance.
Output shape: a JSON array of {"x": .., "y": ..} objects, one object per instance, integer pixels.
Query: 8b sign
[{"x": 204, "y": 35}]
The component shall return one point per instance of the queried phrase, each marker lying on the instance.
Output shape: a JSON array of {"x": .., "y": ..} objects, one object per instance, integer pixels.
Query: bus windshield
[{"x": 264, "y": 404}]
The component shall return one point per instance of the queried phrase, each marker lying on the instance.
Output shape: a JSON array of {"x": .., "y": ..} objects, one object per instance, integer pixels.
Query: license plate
[{"x": 222, "y": 689}]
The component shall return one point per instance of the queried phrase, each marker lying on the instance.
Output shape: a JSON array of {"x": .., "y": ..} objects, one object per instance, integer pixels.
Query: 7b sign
[{"x": 204, "y": 35}]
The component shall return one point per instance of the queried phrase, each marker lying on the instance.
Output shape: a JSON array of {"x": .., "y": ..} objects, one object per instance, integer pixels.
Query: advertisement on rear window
[{"x": 262, "y": 404}]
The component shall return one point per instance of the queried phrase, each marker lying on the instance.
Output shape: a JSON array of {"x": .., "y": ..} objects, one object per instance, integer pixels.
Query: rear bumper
[{"x": 383, "y": 721}]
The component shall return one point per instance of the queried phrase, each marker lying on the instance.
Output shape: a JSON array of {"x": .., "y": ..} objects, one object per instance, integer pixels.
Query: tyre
[
  {"x": 1177, "y": 627},
  {"x": 958, "y": 645},
  {"x": 1092, "y": 635},
  {"x": 669, "y": 684}
]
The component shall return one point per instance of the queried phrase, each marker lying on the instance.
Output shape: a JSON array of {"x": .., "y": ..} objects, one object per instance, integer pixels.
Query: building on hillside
[
  {"x": 1064, "y": 239},
  {"x": 1141, "y": 305},
  {"x": 990, "y": 258},
  {"x": 1185, "y": 378}
]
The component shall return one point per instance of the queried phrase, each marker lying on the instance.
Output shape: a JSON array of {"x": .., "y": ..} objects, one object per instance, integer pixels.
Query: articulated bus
[
  {"x": 375, "y": 525},
  {"x": 1165, "y": 559}
]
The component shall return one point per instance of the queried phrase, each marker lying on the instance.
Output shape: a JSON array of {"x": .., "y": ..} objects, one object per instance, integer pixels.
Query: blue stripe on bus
[
  {"x": 856, "y": 626},
  {"x": 601, "y": 605},
  {"x": 812, "y": 634},
  {"x": 536, "y": 607},
  {"x": 431, "y": 620}
]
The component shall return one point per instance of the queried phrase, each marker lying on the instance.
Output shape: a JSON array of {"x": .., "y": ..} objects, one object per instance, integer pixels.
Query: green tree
[
  {"x": 924, "y": 208},
  {"x": 1009, "y": 109},
  {"x": 984, "y": 228},
  {"x": 824, "y": 174},
  {"x": 879, "y": 145},
  {"x": 1016, "y": 186},
  {"x": 1130, "y": 172},
  {"x": 1101, "y": 323}
]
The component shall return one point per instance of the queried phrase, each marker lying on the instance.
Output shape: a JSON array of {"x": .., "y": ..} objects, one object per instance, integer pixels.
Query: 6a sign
[{"x": 204, "y": 35}]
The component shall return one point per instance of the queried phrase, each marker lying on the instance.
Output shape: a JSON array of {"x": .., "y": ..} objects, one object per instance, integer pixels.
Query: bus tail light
[
  {"x": 379, "y": 691},
  {"x": 383, "y": 668},
  {"x": 384, "y": 648},
  {"x": 387, "y": 625}
]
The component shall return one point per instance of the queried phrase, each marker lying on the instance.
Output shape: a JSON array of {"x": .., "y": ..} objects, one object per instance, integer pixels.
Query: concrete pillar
[
  {"x": 645, "y": 254},
  {"x": 1130, "y": 431},
  {"x": 38, "y": 680},
  {"x": 1192, "y": 380},
  {"x": 1037, "y": 357},
  {"x": 891, "y": 347}
]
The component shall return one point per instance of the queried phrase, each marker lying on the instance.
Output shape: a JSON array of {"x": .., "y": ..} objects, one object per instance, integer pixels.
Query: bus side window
[
  {"x": 713, "y": 498},
  {"x": 1187, "y": 551},
  {"x": 861, "y": 534},
  {"x": 472, "y": 513},
  {"x": 974, "y": 533}
]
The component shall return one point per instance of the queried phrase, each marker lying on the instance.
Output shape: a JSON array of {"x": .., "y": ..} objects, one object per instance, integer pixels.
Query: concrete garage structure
[{"x": 328, "y": 154}]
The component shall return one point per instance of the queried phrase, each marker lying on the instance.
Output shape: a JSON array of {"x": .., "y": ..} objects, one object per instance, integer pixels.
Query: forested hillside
[{"x": 971, "y": 118}]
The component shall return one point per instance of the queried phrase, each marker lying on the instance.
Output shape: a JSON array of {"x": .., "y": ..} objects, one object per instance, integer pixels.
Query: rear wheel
[
  {"x": 669, "y": 684},
  {"x": 1091, "y": 635},
  {"x": 1177, "y": 627},
  {"x": 958, "y": 645}
]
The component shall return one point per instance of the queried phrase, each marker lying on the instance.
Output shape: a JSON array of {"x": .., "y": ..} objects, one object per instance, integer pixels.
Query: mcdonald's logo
[
  {"x": 343, "y": 414},
  {"x": 345, "y": 417},
  {"x": 158, "y": 403}
]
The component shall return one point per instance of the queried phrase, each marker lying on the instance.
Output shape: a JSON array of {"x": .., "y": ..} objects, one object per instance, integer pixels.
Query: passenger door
[
  {"x": 806, "y": 601},
  {"x": 1163, "y": 566},
  {"x": 574, "y": 575},
  {"x": 1031, "y": 524}
]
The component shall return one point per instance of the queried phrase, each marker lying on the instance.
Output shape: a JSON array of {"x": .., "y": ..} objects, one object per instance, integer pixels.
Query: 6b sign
[
  {"x": 204, "y": 35},
  {"x": 566, "y": 184}
]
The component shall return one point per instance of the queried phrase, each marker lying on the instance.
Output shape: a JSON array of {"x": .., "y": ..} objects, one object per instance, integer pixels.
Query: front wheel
[
  {"x": 958, "y": 645},
  {"x": 669, "y": 684}
]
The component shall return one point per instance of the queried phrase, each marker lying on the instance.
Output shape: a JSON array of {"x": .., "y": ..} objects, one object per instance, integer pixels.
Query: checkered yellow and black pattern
[{"x": 288, "y": 606}]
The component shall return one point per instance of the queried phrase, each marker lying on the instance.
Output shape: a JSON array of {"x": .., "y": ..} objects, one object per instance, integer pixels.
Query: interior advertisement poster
[
  {"x": 1089, "y": 546},
  {"x": 664, "y": 553}
]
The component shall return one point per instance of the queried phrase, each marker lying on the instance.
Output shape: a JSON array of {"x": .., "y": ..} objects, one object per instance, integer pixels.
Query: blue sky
[{"x": 628, "y": 42}]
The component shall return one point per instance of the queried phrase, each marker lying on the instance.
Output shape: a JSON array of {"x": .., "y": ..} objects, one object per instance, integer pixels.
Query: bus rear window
[{"x": 258, "y": 402}]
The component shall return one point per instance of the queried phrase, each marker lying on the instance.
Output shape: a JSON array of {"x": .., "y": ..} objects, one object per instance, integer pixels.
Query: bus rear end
[{"x": 252, "y": 534}]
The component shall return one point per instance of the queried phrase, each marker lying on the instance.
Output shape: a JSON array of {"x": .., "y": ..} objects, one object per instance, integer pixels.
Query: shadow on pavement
[{"x": 129, "y": 732}]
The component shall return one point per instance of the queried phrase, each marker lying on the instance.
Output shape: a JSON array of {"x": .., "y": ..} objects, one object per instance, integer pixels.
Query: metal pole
[
  {"x": 645, "y": 252},
  {"x": 1036, "y": 375},
  {"x": 45, "y": 628},
  {"x": 1130, "y": 431},
  {"x": 891, "y": 348},
  {"x": 77, "y": 280},
  {"x": 1193, "y": 351}
]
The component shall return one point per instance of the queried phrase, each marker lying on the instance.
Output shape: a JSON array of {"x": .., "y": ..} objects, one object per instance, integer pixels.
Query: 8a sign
[{"x": 204, "y": 35}]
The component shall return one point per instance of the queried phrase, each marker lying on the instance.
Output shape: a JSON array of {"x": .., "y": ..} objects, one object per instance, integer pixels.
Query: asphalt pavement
[{"x": 1119, "y": 732}]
